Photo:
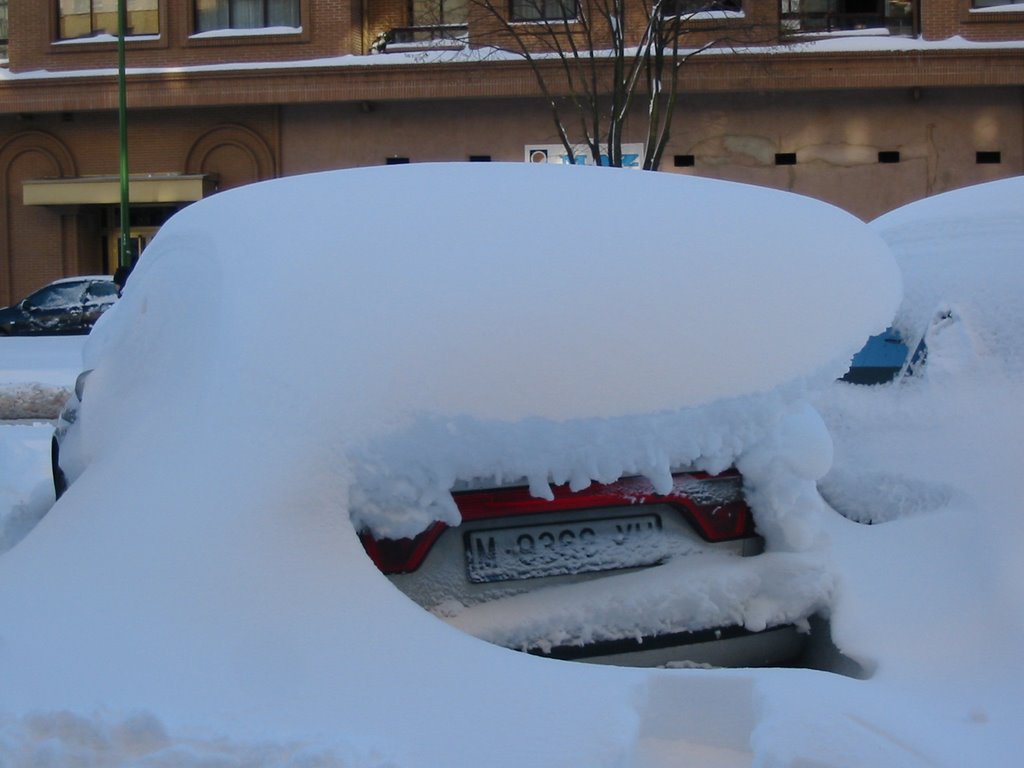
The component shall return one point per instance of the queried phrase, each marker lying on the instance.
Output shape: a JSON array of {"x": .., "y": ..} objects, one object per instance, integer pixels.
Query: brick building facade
[{"x": 867, "y": 104}]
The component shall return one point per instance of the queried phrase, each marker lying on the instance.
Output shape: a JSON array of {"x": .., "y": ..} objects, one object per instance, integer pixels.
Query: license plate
[{"x": 558, "y": 549}]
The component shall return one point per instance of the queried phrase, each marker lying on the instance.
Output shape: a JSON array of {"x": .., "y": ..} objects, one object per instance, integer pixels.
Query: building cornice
[{"x": 352, "y": 82}]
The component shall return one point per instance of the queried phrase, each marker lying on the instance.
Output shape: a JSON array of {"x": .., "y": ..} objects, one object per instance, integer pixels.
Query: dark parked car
[{"x": 68, "y": 306}]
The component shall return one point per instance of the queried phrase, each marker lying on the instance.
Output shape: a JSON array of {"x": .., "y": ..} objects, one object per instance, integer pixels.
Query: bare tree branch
[{"x": 591, "y": 65}]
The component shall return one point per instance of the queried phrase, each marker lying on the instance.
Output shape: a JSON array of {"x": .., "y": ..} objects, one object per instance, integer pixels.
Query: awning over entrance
[{"x": 102, "y": 190}]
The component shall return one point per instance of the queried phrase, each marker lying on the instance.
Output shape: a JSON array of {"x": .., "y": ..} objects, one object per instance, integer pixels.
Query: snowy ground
[
  {"x": 37, "y": 375},
  {"x": 191, "y": 612}
]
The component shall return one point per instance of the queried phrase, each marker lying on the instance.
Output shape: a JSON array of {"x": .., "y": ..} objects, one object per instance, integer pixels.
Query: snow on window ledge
[
  {"x": 542, "y": 22},
  {"x": 841, "y": 33},
  {"x": 105, "y": 38},
  {"x": 1008, "y": 8},
  {"x": 257, "y": 32}
]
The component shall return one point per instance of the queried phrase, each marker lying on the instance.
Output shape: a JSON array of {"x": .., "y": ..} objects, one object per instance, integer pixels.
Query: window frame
[
  {"x": 992, "y": 14},
  {"x": 543, "y": 4},
  {"x": 4, "y": 29},
  {"x": 442, "y": 18},
  {"x": 675, "y": 8},
  {"x": 58, "y": 37},
  {"x": 253, "y": 36},
  {"x": 265, "y": 7},
  {"x": 77, "y": 45}
]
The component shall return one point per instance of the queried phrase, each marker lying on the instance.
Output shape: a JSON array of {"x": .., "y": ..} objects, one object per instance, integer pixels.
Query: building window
[
  {"x": 87, "y": 18},
  {"x": 246, "y": 14},
  {"x": 671, "y": 8},
  {"x": 544, "y": 10},
  {"x": 3, "y": 29},
  {"x": 994, "y": 3},
  {"x": 436, "y": 13},
  {"x": 840, "y": 15}
]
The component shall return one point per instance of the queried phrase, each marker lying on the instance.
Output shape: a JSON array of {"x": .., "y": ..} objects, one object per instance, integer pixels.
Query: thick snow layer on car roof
[
  {"x": 450, "y": 321},
  {"x": 512, "y": 291},
  {"x": 960, "y": 253}
]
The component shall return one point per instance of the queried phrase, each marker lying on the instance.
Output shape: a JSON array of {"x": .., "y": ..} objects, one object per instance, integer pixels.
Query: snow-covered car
[
  {"x": 512, "y": 547},
  {"x": 68, "y": 306},
  {"x": 961, "y": 281},
  {"x": 957, "y": 332},
  {"x": 945, "y": 248},
  {"x": 583, "y": 442}
]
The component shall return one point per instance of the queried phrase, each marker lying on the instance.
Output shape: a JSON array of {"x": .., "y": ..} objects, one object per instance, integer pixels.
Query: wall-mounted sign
[{"x": 632, "y": 154}]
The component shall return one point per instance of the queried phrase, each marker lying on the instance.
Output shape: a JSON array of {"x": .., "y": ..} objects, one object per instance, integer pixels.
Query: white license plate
[{"x": 558, "y": 549}]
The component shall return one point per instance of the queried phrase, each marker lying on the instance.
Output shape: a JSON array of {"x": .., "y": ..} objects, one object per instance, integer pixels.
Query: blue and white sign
[{"x": 632, "y": 155}]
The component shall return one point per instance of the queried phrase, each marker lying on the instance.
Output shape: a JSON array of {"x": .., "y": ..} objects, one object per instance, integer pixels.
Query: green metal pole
[{"x": 122, "y": 117}]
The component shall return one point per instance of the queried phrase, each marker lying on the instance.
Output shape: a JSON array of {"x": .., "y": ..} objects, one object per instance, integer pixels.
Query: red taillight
[
  {"x": 400, "y": 555},
  {"x": 713, "y": 504}
]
